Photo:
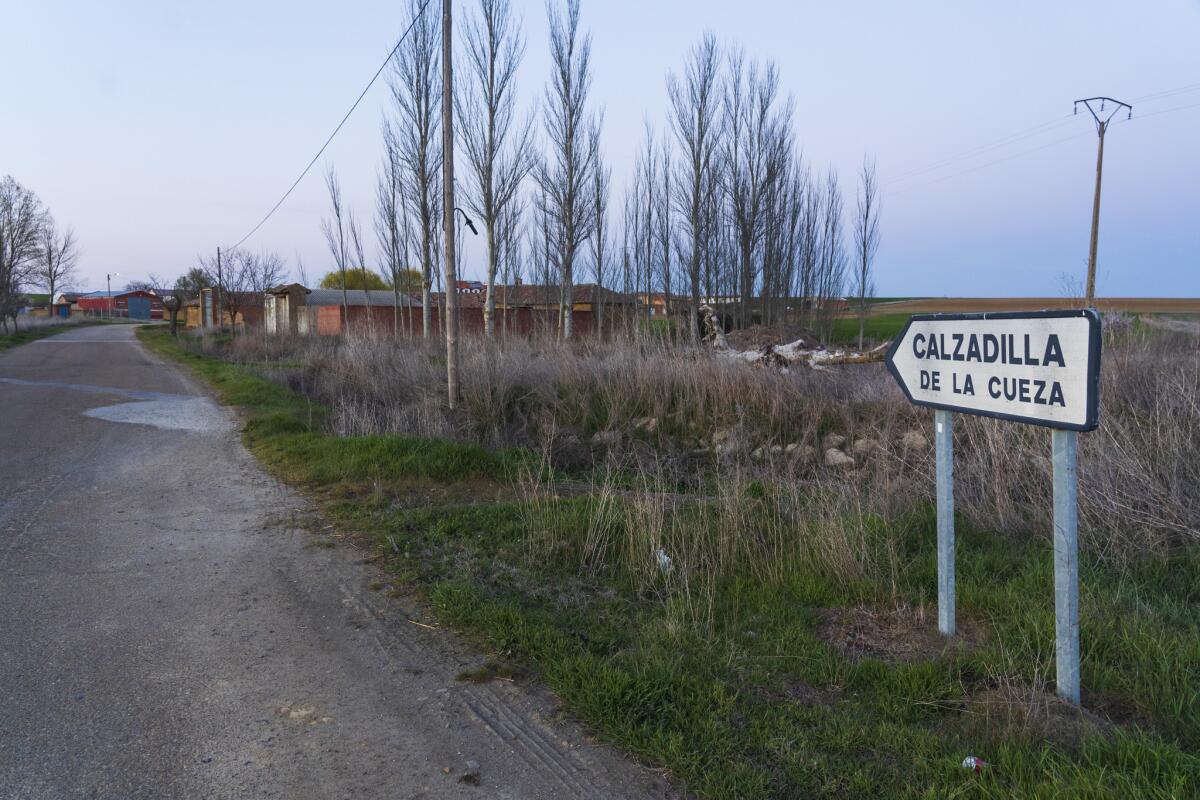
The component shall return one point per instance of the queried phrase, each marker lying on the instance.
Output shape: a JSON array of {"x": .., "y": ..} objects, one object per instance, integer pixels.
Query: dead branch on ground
[{"x": 783, "y": 356}]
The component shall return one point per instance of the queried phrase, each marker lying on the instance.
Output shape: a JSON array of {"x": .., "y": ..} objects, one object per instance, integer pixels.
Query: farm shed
[
  {"x": 523, "y": 309},
  {"x": 66, "y": 304},
  {"x": 531, "y": 308},
  {"x": 358, "y": 310},
  {"x": 246, "y": 308},
  {"x": 284, "y": 308},
  {"x": 137, "y": 304},
  {"x": 97, "y": 302}
]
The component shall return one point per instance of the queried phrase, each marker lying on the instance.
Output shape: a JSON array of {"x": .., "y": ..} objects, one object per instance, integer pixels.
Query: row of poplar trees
[{"x": 720, "y": 208}]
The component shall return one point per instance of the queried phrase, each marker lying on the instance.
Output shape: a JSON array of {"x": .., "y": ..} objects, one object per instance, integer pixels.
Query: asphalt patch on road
[
  {"x": 196, "y": 414},
  {"x": 173, "y": 412}
]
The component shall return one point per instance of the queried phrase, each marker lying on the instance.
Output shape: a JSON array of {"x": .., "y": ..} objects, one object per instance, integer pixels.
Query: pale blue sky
[{"x": 162, "y": 129}]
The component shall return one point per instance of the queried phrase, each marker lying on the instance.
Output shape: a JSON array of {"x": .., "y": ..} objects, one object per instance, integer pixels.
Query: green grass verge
[
  {"x": 22, "y": 336},
  {"x": 282, "y": 428},
  {"x": 746, "y": 695}
]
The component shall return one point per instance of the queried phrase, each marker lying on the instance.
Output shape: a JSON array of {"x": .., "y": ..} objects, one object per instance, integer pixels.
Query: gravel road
[{"x": 168, "y": 629}]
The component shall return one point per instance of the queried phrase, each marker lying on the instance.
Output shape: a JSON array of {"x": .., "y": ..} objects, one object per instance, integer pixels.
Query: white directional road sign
[{"x": 1039, "y": 367}]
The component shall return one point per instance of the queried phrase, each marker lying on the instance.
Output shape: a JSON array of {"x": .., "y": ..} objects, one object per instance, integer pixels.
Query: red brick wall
[{"x": 381, "y": 320}]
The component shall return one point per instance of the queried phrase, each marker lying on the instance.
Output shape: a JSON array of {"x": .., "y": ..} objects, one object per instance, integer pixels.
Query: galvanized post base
[
  {"x": 1066, "y": 565},
  {"x": 944, "y": 447}
]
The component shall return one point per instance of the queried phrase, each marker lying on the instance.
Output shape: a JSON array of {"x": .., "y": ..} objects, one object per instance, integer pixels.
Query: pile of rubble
[{"x": 801, "y": 352}]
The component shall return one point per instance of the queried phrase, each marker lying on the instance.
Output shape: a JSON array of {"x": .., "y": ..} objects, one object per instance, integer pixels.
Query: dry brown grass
[{"x": 644, "y": 408}]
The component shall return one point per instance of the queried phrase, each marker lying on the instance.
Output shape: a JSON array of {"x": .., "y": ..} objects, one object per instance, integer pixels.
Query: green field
[
  {"x": 797, "y": 676},
  {"x": 875, "y": 330}
]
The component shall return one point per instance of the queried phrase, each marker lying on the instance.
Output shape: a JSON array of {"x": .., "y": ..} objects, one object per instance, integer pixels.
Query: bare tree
[
  {"x": 629, "y": 252},
  {"x": 417, "y": 90},
  {"x": 233, "y": 286},
  {"x": 246, "y": 277},
  {"x": 753, "y": 119},
  {"x": 360, "y": 258},
  {"x": 830, "y": 251},
  {"x": 807, "y": 248},
  {"x": 337, "y": 235},
  {"x": 793, "y": 244},
  {"x": 775, "y": 246},
  {"x": 498, "y": 147},
  {"x": 172, "y": 303},
  {"x": 696, "y": 120},
  {"x": 663, "y": 230},
  {"x": 866, "y": 240},
  {"x": 22, "y": 218},
  {"x": 543, "y": 242},
  {"x": 601, "y": 177},
  {"x": 265, "y": 271},
  {"x": 301, "y": 271},
  {"x": 191, "y": 282},
  {"x": 57, "y": 258},
  {"x": 644, "y": 209},
  {"x": 573, "y": 137},
  {"x": 392, "y": 223},
  {"x": 147, "y": 284},
  {"x": 511, "y": 261}
]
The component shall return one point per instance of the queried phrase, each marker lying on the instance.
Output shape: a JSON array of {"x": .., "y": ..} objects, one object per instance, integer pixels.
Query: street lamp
[
  {"x": 467, "y": 220},
  {"x": 108, "y": 300},
  {"x": 470, "y": 225}
]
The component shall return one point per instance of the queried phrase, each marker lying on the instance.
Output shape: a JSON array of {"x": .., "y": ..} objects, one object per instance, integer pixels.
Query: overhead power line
[
  {"x": 1000, "y": 160},
  {"x": 1032, "y": 132},
  {"x": 1155, "y": 96},
  {"x": 324, "y": 146},
  {"x": 1160, "y": 111},
  {"x": 1030, "y": 150},
  {"x": 1027, "y": 133}
]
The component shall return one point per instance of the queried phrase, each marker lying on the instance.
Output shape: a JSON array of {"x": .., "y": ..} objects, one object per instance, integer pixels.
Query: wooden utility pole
[
  {"x": 448, "y": 261},
  {"x": 217, "y": 292},
  {"x": 1101, "y": 127}
]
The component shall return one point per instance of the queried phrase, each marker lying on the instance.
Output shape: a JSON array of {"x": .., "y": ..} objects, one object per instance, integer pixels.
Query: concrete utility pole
[
  {"x": 1101, "y": 126},
  {"x": 448, "y": 262}
]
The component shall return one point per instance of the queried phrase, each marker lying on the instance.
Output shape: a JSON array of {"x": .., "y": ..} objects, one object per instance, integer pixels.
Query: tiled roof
[
  {"x": 358, "y": 297},
  {"x": 540, "y": 294}
]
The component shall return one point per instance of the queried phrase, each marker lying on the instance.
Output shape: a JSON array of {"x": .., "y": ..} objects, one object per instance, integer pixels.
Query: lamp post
[
  {"x": 108, "y": 300},
  {"x": 467, "y": 220},
  {"x": 470, "y": 225}
]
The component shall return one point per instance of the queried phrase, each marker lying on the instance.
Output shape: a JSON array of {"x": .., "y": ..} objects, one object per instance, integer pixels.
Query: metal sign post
[
  {"x": 1041, "y": 368},
  {"x": 1066, "y": 565},
  {"x": 943, "y": 421}
]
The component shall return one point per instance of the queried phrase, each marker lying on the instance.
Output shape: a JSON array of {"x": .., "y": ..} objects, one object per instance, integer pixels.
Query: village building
[
  {"x": 135, "y": 304},
  {"x": 235, "y": 308},
  {"x": 294, "y": 308},
  {"x": 526, "y": 309},
  {"x": 521, "y": 309},
  {"x": 65, "y": 304}
]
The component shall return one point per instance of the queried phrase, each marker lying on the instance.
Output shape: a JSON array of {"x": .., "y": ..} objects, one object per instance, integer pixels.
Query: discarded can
[{"x": 974, "y": 762}]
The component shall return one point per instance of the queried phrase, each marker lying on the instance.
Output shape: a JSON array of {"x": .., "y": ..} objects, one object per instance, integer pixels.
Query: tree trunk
[
  {"x": 426, "y": 282},
  {"x": 451, "y": 293},
  {"x": 489, "y": 303}
]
